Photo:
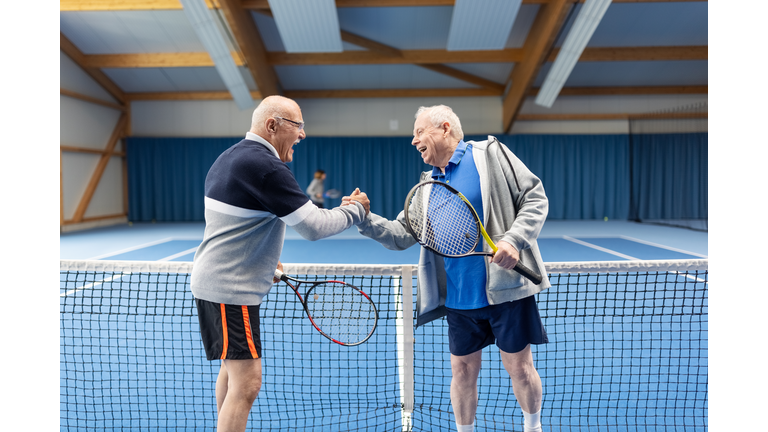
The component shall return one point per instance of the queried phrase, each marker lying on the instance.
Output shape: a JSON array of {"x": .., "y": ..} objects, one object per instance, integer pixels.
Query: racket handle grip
[
  {"x": 528, "y": 273},
  {"x": 278, "y": 274}
]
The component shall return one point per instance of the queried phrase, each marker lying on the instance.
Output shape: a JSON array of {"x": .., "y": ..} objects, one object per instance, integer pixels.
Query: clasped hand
[{"x": 358, "y": 196}]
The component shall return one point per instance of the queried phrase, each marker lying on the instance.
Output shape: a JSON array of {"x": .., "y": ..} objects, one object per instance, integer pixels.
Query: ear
[
  {"x": 446, "y": 128},
  {"x": 271, "y": 125}
]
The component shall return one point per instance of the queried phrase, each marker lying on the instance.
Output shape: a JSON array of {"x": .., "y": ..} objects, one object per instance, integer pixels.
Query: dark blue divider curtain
[
  {"x": 585, "y": 176},
  {"x": 166, "y": 176},
  {"x": 669, "y": 176}
]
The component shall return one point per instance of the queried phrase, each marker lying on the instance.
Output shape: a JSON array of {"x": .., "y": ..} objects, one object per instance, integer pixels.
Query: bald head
[
  {"x": 272, "y": 106},
  {"x": 278, "y": 120}
]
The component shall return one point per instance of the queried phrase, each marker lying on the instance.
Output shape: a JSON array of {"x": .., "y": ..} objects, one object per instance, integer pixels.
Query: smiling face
[{"x": 432, "y": 142}]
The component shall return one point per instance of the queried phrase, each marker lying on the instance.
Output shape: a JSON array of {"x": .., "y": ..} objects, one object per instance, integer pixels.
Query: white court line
[
  {"x": 93, "y": 284},
  {"x": 600, "y": 248},
  {"x": 663, "y": 247},
  {"x": 619, "y": 254},
  {"x": 180, "y": 254},
  {"x": 133, "y": 248}
]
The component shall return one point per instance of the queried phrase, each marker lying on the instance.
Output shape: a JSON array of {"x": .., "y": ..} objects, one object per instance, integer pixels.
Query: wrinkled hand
[
  {"x": 279, "y": 267},
  {"x": 358, "y": 196},
  {"x": 506, "y": 257}
]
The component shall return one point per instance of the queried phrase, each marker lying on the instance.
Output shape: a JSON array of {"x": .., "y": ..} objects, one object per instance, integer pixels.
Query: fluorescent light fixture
[
  {"x": 307, "y": 26},
  {"x": 481, "y": 24},
  {"x": 206, "y": 29},
  {"x": 578, "y": 36}
]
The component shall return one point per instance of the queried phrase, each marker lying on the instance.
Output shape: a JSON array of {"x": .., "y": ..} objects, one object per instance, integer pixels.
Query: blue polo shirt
[{"x": 466, "y": 276}]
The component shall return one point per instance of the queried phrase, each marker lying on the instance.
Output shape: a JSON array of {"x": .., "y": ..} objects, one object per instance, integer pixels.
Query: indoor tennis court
[
  {"x": 624, "y": 348},
  {"x": 606, "y": 102}
]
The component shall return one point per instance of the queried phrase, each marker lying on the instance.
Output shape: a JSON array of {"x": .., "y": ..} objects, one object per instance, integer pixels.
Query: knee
[
  {"x": 463, "y": 372},
  {"x": 523, "y": 371},
  {"x": 252, "y": 388}
]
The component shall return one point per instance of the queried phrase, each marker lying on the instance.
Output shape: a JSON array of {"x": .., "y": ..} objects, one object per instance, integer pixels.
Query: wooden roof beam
[
  {"x": 264, "y": 4},
  {"x": 317, "y": 94},
  {"x": 391, "y": 52},
  {"x": 443, "y": 92},
  {"x": 81, "y": 60},
  {"x": 126, "y": 5},
  {"x": 387, "y": 56},
  {"x": 252, "y": 47},
  {"x": 546, "y": 25}
]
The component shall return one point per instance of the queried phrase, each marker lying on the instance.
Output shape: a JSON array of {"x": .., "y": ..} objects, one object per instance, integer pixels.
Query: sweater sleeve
[
  {"x": 392, "y": 235},
  {"x": 314, "y": 223}
]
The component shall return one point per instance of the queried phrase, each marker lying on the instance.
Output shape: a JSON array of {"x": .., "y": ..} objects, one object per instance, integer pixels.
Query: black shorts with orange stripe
[{"x": 229, "y": 331}]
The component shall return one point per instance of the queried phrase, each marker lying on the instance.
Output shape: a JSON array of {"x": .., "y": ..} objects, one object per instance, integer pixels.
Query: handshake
[{"x": 358, "y": 196}]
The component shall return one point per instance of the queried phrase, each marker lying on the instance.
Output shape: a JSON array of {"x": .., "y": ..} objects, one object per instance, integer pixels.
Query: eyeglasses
[{"x": 299, "y": 125}]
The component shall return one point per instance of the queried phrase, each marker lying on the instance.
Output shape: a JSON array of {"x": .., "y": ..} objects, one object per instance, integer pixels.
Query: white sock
[
  {"x": 465, "y": 428},
  {"x": 532, "y": 421}
]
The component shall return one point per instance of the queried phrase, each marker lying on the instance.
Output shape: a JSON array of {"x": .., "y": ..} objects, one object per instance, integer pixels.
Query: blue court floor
[{"x": 559, "y": 241}]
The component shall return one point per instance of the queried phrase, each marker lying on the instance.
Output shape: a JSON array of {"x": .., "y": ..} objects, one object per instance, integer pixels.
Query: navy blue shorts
[
  {"x": 229, "y": 331},
  {"x": 511, "y": 326}
]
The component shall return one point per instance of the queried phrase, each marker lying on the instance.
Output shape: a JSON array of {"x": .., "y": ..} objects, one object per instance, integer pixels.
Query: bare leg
[
  {"x": 526, "y": 382},
  {"x": 465, "y": 370},
  {"x": 240, "y": 386},
  {"x": 221, "y": 387}
]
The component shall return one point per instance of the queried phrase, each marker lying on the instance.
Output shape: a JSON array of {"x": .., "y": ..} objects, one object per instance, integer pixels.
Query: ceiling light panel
[
  {"x": 481, "y": 24},
  {"x": 307, "y": 26},
  {"x": 209, "y": 34},
  {"x": 588, "y": 19}
]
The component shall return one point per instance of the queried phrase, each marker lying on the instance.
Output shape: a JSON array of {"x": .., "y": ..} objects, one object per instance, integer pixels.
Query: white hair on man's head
[{"x": 439, "y": 114}]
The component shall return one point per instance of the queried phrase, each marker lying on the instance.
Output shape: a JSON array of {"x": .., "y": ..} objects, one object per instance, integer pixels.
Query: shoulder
[{"x": 480, "y": 145}]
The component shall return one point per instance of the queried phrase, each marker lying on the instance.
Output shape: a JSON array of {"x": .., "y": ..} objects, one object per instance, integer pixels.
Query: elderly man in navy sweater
[{"x": 250, "y": 196}]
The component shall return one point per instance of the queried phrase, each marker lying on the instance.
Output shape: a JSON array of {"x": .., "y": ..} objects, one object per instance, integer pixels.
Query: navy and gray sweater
[{"x": 250, "y": 196}]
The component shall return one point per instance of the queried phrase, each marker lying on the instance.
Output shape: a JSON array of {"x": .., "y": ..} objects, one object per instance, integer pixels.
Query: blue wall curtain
[
  {"x": 585, "y": 176},
  {"x": 166, "y": 176},
  {"x": 669, "y": 176}
]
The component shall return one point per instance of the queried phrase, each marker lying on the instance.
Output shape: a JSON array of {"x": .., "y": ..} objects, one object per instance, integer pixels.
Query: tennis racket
[
  {"x": 442, "y": 220},
  {"x": 339, "y": 311},
  {"x": 332, "y": 193}
]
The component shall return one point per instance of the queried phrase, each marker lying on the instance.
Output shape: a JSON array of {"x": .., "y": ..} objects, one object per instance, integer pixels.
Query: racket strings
[
  {"x": 341, "y": 312},
  {"x": 442, "y": 221}
]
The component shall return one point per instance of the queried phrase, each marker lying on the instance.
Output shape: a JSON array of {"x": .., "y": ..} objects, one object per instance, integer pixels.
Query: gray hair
[{"x": 439, "y": 114}]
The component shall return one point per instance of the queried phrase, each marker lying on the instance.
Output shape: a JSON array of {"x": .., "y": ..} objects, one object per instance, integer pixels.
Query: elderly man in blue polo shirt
[{"x": 484, "y": 300}]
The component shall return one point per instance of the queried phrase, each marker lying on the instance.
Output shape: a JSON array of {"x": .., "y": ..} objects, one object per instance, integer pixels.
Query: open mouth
[{"x": 421, "y": 149}]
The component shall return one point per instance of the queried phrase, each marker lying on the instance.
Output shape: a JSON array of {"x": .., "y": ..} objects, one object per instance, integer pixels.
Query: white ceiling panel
[
  {"x": 481, "y": 24},
  {"x": 307, "y": 26},
  {"x": 130, "y": 32},
  {"x": 137, "y": 80},
  {"x": 405, "y": 28}
]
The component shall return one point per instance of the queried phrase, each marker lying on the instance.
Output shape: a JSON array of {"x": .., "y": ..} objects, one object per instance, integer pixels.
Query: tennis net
[{"x": 627, "y": 351}]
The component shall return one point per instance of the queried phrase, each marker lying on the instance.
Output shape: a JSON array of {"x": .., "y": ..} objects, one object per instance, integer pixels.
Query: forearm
[
  {"x": 392, "y": 235},
  {"x": 322, "y": 223}
]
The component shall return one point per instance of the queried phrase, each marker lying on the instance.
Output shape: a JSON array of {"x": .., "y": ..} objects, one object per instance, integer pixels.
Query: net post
[{"x": 407, "y": 383}]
